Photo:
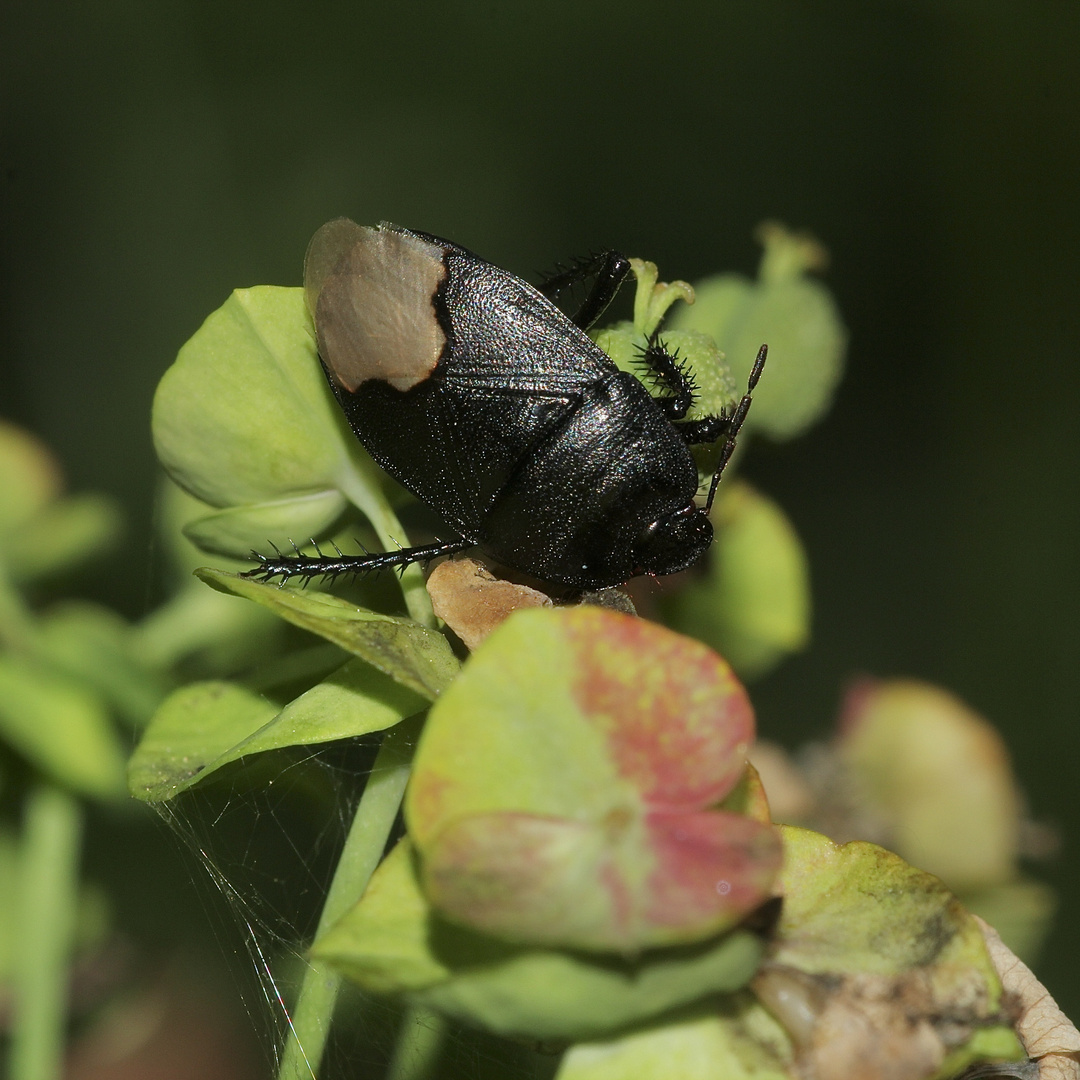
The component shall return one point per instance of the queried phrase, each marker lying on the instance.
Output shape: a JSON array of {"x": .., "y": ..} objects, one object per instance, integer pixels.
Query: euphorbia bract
[{"x": 566, "y": 790}]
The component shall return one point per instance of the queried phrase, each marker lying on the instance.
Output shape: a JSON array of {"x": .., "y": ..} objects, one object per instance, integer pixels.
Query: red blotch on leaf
[
  {"x": 678, "y": 722},
  {"x": 708, "y": 863}
]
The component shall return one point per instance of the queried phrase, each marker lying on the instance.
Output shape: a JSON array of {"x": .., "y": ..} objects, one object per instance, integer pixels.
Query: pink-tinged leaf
[
  {"x": 565, "y": 790},
  {"x": 555, "y": 881},
  {"x": 710, "y": 866},
  {"x": 677, "y": 722},
  {"x": 525, "y": 878}
]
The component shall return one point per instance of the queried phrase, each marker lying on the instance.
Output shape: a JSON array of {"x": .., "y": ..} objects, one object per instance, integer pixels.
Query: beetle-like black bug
[{"x": 474, "y": 391}]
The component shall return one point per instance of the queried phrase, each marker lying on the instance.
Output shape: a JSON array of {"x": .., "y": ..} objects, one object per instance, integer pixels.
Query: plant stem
[
  {"x": 419, "y": 1041},
  {"x": 48, "y": 889},
  {"x": 387, "y": 527},
  {"x": 310, "y": 1024}
]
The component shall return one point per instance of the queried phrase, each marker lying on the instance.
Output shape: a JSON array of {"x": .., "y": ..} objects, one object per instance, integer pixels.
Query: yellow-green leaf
[{"x": 409, "y": 653}]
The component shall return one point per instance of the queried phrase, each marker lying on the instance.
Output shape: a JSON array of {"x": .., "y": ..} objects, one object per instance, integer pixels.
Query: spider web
[{"x": 265, "y": 835}]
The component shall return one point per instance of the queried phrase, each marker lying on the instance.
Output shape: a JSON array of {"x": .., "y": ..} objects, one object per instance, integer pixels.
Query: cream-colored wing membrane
[{"x": 370, "y": 293}]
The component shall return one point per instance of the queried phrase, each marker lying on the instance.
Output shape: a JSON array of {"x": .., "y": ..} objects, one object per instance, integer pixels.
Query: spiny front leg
[
  {"x": 670, "y": 372},
  {"x": 309, "y": 567}
]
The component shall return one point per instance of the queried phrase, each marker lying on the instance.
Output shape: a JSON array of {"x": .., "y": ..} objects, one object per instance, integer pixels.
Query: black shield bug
[{"x": 479, "y": 395}]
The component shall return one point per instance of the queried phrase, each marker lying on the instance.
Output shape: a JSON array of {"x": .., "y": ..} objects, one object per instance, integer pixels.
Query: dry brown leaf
[
  {"x": 875, "y": 1027},
  {"x": 1045, "y": 1031},
  {"x": 472, "y": 601}
]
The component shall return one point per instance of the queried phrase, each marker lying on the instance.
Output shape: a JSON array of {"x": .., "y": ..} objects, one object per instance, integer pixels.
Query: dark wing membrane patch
[
  {"x": 371, "y": 293},
  {"x": 508, "y": 337}
]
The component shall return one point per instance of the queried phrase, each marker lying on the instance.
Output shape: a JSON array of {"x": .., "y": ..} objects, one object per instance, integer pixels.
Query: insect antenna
[{"x": 738, "y": 417}]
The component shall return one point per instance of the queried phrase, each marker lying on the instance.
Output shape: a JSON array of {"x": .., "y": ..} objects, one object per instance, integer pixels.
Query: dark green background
[{"x": 154, "y": 156}]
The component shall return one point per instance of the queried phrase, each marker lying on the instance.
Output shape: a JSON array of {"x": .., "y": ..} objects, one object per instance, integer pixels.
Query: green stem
[
  {"x": 364, "y": 846},
  {"x": 48, "y": 884},
  {"x": 419, "y": 1041},
  {"x": 387, "y": 527}
]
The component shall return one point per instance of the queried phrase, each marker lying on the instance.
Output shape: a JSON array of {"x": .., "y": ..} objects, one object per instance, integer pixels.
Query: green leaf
[
  {"x": 565, "y": 787},
  {"x": 204, "y": 726},
  {"x": 237, "y": 530},
  {"x": 354, "y": 700},
  {"x": 791, "y": 313},
  {"x": 739, "y": 1042},
  {"x": 859, "y": 908},
  {"x": 753, "y": 607},
  {"x": 195, "y": 727},
  {"x": 391, "y": 942},
  {"x": 245, "y": 418},
  {"x": 245, "y": 414},
  {"x": 560, "y": 995},
  {"x": 61, "y": 727},
  {"x": 412, "y": 655}
]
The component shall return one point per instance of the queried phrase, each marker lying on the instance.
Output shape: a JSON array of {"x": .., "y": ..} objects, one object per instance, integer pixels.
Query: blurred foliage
[
  {"x": 752, "y": 603},
  {"x": 790, "y": 311},
  {"x": 914, "y": 769},
  {"x": 55, "y": 696},
  {"x": 67, "y": 675},
  {"x": 76, "y": 681}
]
